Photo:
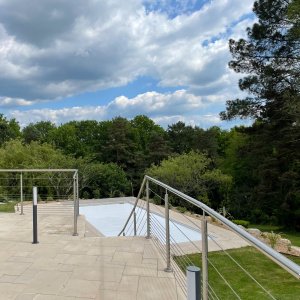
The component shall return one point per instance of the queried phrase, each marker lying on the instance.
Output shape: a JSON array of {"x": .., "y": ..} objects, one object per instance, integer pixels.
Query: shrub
[
  {"x": 8, "y": 207},
  {"x": 86, "y": 195},
  {"x": 181, "y": 209},
  {"x": 244, "y": 223},
  {"x": 272, "y": 238},
  {"x": 3, "y": 198},
  {"x": 97, "y": 193},
  {"x": 49, "y": 198},
  {"x": 157, "y": 200},
  {"x": 193, "y": 174}
]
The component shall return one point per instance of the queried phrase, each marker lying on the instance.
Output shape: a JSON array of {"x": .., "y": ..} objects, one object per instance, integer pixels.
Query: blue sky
[{"x": 99, "y": 59}]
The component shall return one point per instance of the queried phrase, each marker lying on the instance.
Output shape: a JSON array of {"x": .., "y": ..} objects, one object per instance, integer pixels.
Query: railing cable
[
  {"x": 227, "y": 283},
  {"x": 242, "y": 268}
]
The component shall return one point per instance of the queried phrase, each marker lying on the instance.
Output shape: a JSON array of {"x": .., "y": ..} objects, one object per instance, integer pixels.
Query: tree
[
  {"x": 64, "y": 138},
  {"x": 152, "y": 141},
  {"x": 121, "y": 143},
  {"x": 103, "y": 180},
  {"x": 40, "y": 132},
  {"x": 193, "y": 173},
  {"x": 271, "y": 56},
  {"x": 271, "y": 59},
  {"x": 158, "y": 148},
  {"x": 180, "y": 137},
  {"x": 15, "y": 155},
  {"x": 97, "y": 180},
  {"x": 9, "y": 129},
  {"x": 145, "y": 127},
  {"x": 184, "y": 138}
]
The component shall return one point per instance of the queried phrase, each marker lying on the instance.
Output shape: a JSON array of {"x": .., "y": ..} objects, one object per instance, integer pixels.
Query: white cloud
[
  {"x": 12, "y": 102},
  {"x": 53, "y": 48},
  {"x": 163, "y": 108}
]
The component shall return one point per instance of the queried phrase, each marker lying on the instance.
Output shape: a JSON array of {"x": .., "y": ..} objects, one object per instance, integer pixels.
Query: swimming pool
[{"x": 109, "y": 219}]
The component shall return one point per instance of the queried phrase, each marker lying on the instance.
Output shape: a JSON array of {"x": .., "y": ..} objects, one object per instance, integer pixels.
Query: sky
[{"x": 63, "y": 60}]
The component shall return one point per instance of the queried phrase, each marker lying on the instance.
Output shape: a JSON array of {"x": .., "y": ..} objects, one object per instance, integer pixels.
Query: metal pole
[
  {"x": 34, "y": 216},
  {"x": 134, "y": 222},
  {"x": 148, "y": 210},
  {"x": 193, "y": 275},
  {"x": 75, "y": 207},
  {"x": 21, "y": 193},
  {"x": 204, "y": 260},
  {"x": 77, "y": 192},
  {"x": 168, "y": 250}
]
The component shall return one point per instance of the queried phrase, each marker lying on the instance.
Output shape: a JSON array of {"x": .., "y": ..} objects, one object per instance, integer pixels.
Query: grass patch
[
  {"x": 280, "y": 283},
  {"x": 295, "y": 259},
  {"x": 7, "y": 207},
  {"x": 293, "y": 236}
]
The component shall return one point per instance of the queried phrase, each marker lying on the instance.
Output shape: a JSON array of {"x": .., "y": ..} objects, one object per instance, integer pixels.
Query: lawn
[
  {"x": 7, "y": 207},
  {"x": 293, "y": 236},
  {"x": 280, "y": 283}
]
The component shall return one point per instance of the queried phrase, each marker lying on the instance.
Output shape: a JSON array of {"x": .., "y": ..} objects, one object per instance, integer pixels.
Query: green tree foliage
[
  {"x": 103, "y": 180},
  {"x": 184, "y": 138},
  {"x": 94, "y": 178},
  {"x": 133, "y": 145},
  {"x": 121, "y": 143},
  {"x": 40, "y": 132},
  {"x": 294, "y": 17},
  {"x": 14, "y": 154},
  {"x": 237, "y": 162},
  {"x": 271, "y": 56},
  {"x": 158, "y": 148},
  {"x": 65, "y": 139},
  {"x": 193, "y": 173},
  {"x": 145, "y": 127},
  {"x": 271, "y": 59},
  {"x": 181, "y": 137},
  {"x": 9, "y": 129},
  {"x": 152, "y": 140}
]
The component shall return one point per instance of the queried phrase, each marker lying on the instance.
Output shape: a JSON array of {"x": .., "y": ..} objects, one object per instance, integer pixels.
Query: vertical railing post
[
  {"x": 34, "y": 216},
  {"x": 193, "y": 276},
  {"x": 134, "y": 223},
  {"x": 204, "y": 259},
  {"x": 77, "y": 193},
  {"x": 21, "y": 193},
  {"x": 168, "y": 249},
  {"x": 75, "y": 207},
  {"x": 148, "y": 210}
]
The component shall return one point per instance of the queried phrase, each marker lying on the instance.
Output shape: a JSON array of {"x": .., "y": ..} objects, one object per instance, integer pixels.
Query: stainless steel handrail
[
  {"x": 134, "y": 206},
  {"x": 278, "y": 258}
]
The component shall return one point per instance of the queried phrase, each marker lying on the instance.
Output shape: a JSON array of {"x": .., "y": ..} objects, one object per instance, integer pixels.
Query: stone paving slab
[{"x": 66, "y": 267}]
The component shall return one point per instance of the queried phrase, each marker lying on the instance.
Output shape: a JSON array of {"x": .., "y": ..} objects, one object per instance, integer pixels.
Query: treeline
[{"x": 132, "y": 145}]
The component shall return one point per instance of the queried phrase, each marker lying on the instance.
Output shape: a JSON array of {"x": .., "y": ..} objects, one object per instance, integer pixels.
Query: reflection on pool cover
[{"x": 110, "y": 218}]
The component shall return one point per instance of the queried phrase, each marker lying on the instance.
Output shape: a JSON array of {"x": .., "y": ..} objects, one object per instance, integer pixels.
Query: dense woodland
[{"x": 253, "y": 171}]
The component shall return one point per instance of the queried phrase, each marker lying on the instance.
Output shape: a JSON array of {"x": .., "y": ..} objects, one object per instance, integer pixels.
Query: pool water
[{"x": 109, "y": 219}]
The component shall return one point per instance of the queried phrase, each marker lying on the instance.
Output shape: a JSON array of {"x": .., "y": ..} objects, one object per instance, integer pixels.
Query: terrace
[{"x": 75, "y": 260}]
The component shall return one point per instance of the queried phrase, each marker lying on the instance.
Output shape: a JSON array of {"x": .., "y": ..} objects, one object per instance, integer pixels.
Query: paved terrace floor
[
  {"x": 64, "y": 267},
  {"x": 88, "y": 266}
]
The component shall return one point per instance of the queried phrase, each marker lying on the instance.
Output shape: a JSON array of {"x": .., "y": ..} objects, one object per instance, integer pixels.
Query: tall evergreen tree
[{"x": 271, "y": 59}]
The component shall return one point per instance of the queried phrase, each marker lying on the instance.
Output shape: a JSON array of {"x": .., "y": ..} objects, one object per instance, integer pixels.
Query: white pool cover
[{"x": 109, "y": 219}]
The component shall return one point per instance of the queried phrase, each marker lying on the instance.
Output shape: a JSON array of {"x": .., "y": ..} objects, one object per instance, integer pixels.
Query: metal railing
[
  {"x": 143, "y": 214},
  {"x": 74, "y": 188}
]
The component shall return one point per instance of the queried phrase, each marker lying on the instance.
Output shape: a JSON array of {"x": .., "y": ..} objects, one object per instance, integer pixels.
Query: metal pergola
[{"x": 75, "y": 186}]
